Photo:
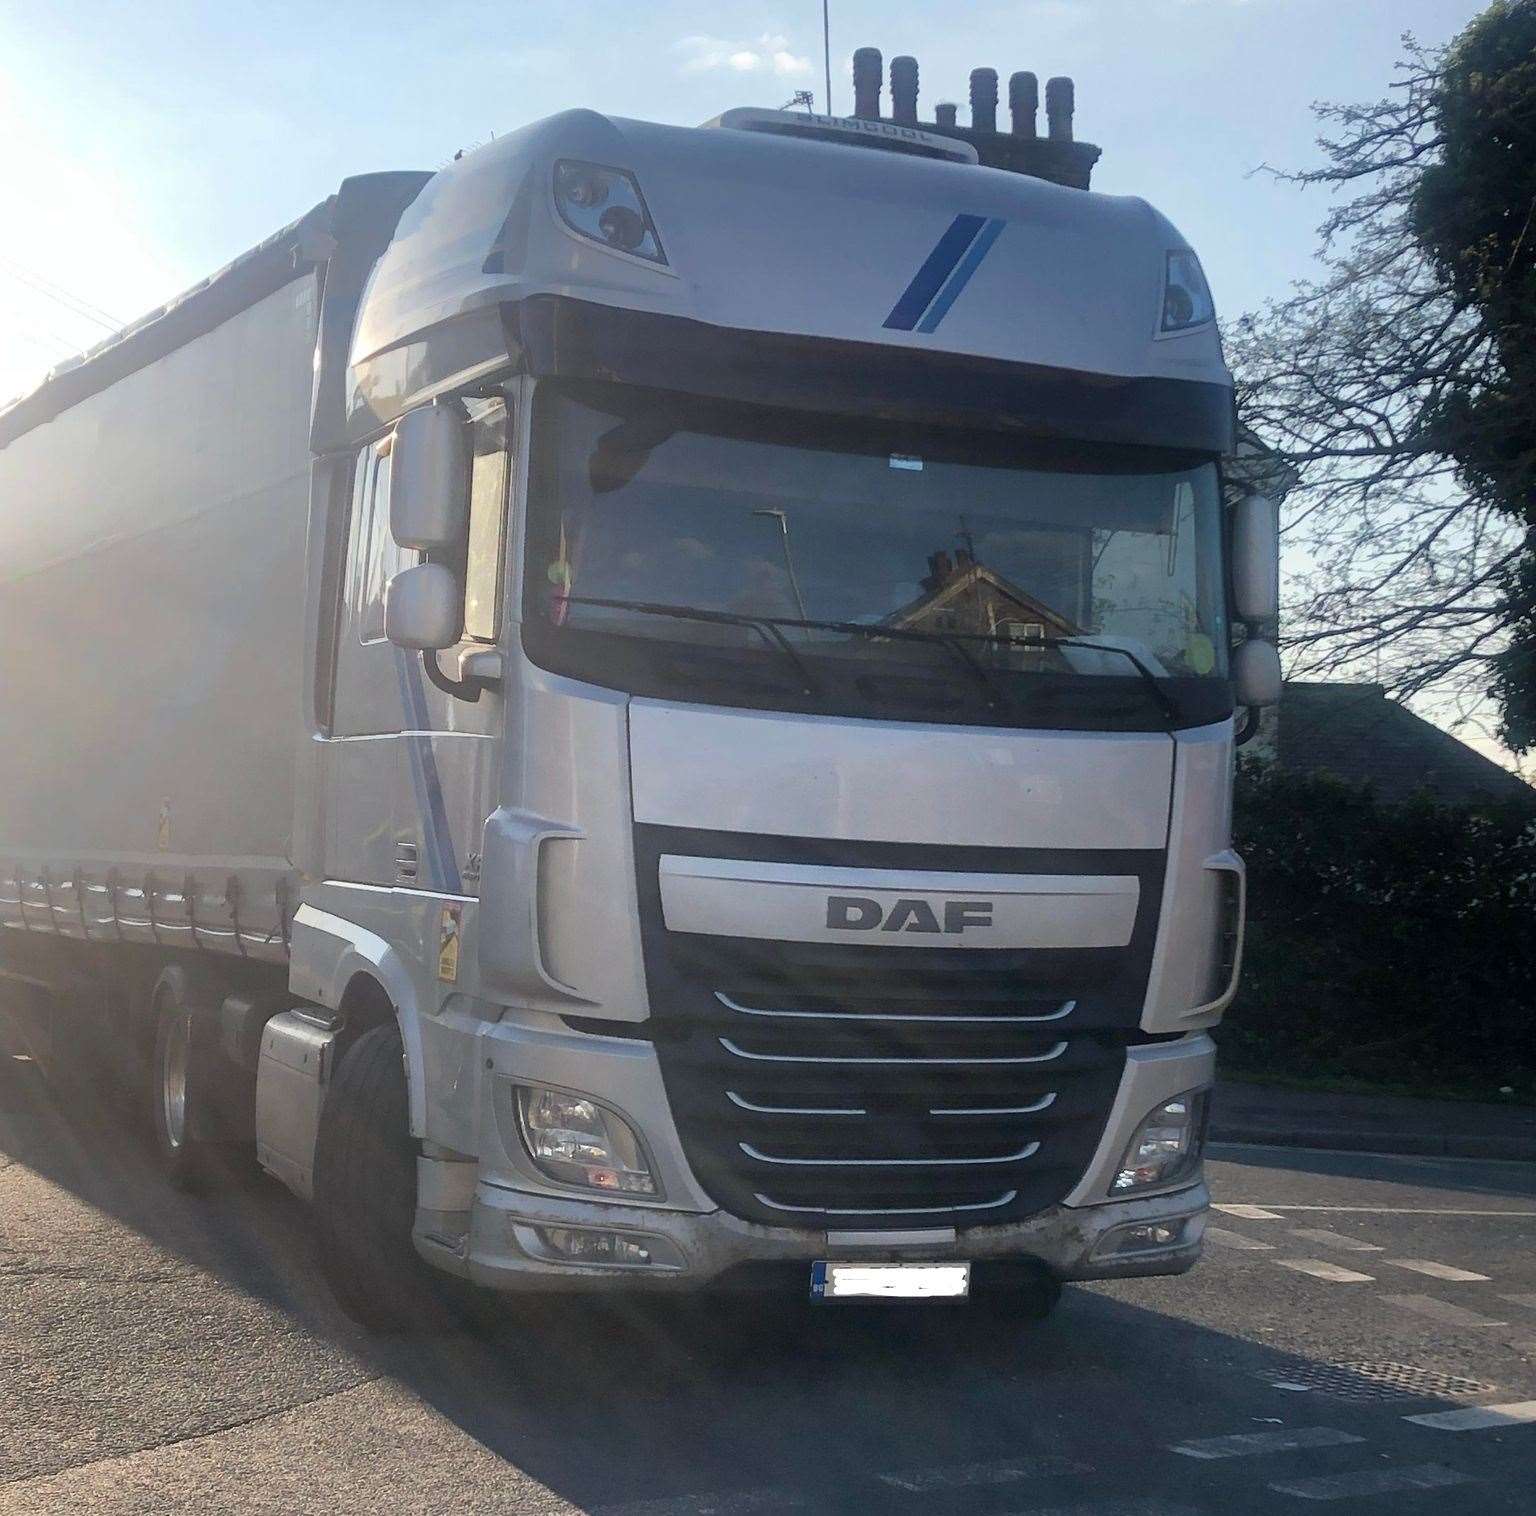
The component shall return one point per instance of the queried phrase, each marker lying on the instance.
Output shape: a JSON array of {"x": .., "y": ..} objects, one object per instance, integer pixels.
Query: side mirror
[
  {"x": 1256, "y": 673},
  {"x": 1256, "y": 560},
  {"x": 424, "y": 607},
  {"x": 429, "y": 479}
]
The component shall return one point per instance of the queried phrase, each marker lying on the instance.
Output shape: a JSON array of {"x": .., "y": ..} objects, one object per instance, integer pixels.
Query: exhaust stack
[{"x": 1056, "y": 156}]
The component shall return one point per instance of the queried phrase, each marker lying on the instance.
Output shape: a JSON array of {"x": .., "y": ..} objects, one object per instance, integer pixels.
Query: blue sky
[{"x": 142, "y": 146}]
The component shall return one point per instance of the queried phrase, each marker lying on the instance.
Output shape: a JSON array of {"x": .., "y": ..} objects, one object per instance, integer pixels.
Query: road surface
[{"x": 1360, "y": 1337}]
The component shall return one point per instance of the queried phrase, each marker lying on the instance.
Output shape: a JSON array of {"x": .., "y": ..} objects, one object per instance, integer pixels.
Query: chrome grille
[
  {"x": 855, "y": 1111},
  {"x": 860, "y": 1086}
]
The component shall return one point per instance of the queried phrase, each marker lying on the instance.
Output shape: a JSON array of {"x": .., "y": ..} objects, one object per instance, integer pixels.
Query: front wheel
[{"x": 365, "y": 1189}]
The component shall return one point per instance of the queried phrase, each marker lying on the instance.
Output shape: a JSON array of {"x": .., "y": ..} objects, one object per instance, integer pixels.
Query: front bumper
[{"x": 504, "y": 1250}]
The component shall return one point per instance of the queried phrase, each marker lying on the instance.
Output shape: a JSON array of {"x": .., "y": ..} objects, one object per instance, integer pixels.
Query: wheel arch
[
  {"x": 350, "y": 970},
  {"x": 190, "y": 985}
]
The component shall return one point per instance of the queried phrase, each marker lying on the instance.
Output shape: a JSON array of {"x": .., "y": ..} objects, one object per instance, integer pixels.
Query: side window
[
  {"x": 487, "y": 521},
  {"x": 375, "y": 557}
]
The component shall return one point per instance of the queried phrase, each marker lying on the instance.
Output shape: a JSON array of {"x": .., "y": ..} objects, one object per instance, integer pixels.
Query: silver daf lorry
[{"x": 653, "y": 709}]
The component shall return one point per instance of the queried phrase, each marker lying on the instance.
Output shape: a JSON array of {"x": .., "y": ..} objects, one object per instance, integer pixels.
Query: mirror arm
[
  {"x": 468, "y": 689},
  {"x": 1250, "y": 727}
]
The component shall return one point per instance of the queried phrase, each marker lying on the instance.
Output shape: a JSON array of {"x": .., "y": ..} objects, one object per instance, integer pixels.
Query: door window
[
  {"x": 487, "y": 520},
  {"x": 375, "y": 557}
]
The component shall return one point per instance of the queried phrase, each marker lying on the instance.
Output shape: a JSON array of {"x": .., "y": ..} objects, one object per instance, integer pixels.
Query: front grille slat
[
  {"x": 931, "y": 1018},
  {"x": 879, "y": 1213},
  {"x": 793, "y": 1110},
  {"x": 914, "y": 1060},
  {"x": 971, "y": 1160},
  {"x": 1033, "y": 1108}
]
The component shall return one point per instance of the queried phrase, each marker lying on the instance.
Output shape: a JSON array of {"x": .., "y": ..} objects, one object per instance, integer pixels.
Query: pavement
[
  {"x": 1360, "y": 1337},
  {"x": 1270, "y": 1114}
]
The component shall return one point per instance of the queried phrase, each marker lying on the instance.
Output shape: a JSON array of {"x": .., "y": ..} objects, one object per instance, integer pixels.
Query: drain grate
[{"x": 1368, "y": 1380}]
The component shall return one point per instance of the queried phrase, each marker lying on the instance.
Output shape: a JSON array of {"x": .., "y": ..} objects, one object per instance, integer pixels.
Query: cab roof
[{"x": 772, "y": 233}]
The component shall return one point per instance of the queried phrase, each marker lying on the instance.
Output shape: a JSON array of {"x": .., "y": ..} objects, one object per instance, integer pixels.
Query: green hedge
[{"x": 1388, "y": 943}]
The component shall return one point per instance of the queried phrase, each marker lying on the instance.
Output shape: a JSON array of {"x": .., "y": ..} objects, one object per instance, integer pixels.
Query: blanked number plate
[{"x": 890, "y": 1281}]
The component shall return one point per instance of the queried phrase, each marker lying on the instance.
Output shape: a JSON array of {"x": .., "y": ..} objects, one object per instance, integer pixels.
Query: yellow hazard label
[{"x": 448, "y": 933}]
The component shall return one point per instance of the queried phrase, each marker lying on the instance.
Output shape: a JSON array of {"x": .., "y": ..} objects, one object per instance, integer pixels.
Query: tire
[
  {"x": 188, "y": 1083},
  {"x": 365, "y": 1191}
]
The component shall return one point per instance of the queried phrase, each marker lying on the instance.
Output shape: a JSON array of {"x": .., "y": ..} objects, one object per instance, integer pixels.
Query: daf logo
[{"x": 856, "y": 913}]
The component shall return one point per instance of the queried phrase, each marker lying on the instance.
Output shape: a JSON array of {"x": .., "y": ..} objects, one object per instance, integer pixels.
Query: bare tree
[{"x": 1395, "y": 560}]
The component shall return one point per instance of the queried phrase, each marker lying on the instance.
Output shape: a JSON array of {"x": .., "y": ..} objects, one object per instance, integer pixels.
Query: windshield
[{"x": 869, "y": 545}]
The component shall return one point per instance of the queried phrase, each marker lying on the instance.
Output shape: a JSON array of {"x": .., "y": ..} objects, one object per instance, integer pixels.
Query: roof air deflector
[{"x": 849, "y": 130}]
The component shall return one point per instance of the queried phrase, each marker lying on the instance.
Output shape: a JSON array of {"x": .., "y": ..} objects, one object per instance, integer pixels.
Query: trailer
[{"x": 654, "y": 709}]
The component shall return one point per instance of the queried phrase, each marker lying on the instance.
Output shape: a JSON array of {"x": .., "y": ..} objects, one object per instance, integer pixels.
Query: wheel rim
[{"x": 173, "y": 1080}]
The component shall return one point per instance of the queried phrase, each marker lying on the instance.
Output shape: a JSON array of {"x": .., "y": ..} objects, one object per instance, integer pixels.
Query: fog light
[
  {"x": 1167, "y": 1146},
  {"x": 1144, "y": 1237},
  {"x": 582, "y": 1246},
  {"x": 574, "y": 1140}
]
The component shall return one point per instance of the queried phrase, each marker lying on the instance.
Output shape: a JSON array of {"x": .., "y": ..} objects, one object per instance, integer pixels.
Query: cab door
[{"x": 410, "y": 767}]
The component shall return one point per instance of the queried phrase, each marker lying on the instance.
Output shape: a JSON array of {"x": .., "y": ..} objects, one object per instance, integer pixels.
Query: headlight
[
  {"x": 605, "y": 205},
  {"x": 573, "y": 1140},
  {"x": 1167, "y": 1146},
  {"x": 1186, "y": 297}
]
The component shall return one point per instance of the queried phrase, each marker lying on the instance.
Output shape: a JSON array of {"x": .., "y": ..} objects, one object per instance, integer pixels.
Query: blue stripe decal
[
  {"x": 424, "y": 776},
  {"x": 962, "y": 275},
  {"x": 938, "y": 266}
]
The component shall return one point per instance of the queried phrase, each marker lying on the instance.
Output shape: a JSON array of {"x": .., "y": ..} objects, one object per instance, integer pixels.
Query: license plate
[{"x": 890, "y": 1281}]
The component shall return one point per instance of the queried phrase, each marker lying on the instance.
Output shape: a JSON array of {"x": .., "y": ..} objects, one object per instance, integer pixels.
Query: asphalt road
[{"x": 159, "y": 1353}]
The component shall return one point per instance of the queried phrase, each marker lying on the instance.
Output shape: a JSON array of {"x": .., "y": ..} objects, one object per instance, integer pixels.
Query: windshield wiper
[
  {"x": 955, "y": 641},
  {"x": 770, "y": 628},
  {"x": 952, "y": 641},
  {"x": 1166, "y": 705},
  {"x": 766, "y": 626}
]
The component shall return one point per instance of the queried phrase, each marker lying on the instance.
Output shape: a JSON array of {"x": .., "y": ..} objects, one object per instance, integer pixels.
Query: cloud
[{"x": 768, "y": 54}]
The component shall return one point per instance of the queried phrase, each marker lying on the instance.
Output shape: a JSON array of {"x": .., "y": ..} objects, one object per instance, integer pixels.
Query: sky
[{"x": 144, "y": 145}]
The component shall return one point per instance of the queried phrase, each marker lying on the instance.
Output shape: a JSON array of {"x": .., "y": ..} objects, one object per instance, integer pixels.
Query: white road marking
[
  {"x": 1333, "y": 1239},
  {"x": 1153, "y": 1507},
  {"x": 964, "y": 1475},
  {"x": 1436, "y": 1270},
  {"x": 1441, "y": 1310},
  {"x": 1248, "y": 1212},
  {"x": 1475, "y": 1417},
  {"x": 728, "y": 1503},
  {"x": 1318, "y": 1269},
  {"x": 1425, "y": 1476},
  {"x": 1366, "y": 1210},
  {"x": 1237, "y": 1240},
  {"x": 1245, "y": 1444}
]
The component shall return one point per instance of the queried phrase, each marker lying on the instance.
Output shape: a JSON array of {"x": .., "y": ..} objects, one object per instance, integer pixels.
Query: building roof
[
  {"x": 961, "y": 585},
  {"x": 1355, "y": 733}
]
